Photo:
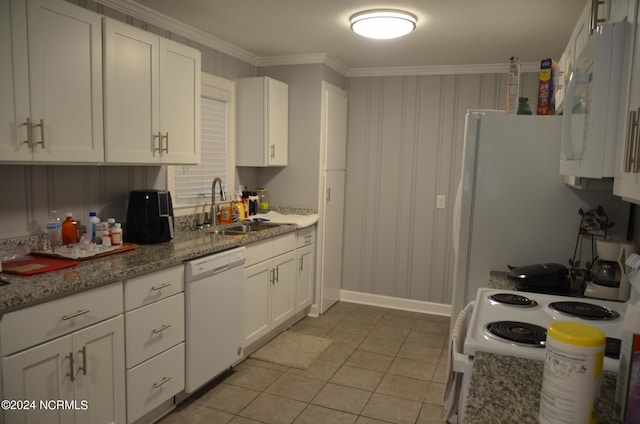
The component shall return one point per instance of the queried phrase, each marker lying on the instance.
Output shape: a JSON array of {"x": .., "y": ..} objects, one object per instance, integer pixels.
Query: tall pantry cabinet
[
  {"x": 333, "y": 145},
  {"x": 50, "y": 82}
]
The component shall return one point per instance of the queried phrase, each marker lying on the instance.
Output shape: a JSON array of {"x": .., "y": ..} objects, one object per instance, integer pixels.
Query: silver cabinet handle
[
  {"x": 277, "y": 274},
  {"x": 28, "y": 141},
  {"x": 329, "y": 194},
  {"x": 70, "y": 374},
  {"x": 273, "y": 151},
  {"x": 272, "y": 276},
  {"x": 75, "y": 314},
  {"x": 160, "y": 287},
  {"x": 153, "y": 143},
  {"x": 308, "y": 239},
  {"x": 161, "y": 382},
  {"x": 301, "y": 263},
  {"x": 636, "y": 144},
  {"x": 83, "y": 368},
  {"x": 166, "y": 144},
  {"x": 41, "y": 125},
  {"x": 161, "y": 328},
  {"x": 631, "y": 130}
]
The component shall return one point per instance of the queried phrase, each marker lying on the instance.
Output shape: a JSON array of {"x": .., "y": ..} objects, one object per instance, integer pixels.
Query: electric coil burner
[
  {"x": 521, "y": 333},
  {"x": 513, "y": 299},
  {"x": 584, "y": 310}
]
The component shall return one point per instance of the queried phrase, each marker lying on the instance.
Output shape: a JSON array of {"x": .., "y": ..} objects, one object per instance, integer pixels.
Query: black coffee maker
[{"x": 149, "y": 217}]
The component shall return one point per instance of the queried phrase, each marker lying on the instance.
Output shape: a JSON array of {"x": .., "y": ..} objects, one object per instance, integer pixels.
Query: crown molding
[{"x": 150, "y": 16}]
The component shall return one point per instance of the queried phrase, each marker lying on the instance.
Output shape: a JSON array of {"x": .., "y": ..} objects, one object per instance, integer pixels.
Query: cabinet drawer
[
  {"x": 306, "y": 236},
  {"x": 284, "y": 244},
  {"x": 154, "y": 328},
  {"x": 154, "y": 381},
  {"x": 258, "y": 252},
  {"x": 33, "y": 325},
  {"x": 148, "y": 288}
]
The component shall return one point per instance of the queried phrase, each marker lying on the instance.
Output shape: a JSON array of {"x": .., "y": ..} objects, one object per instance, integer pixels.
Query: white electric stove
[{"x": 514, "y": 323}]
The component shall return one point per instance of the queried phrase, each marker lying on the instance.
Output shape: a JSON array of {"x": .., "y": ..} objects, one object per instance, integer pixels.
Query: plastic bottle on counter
[
  {"x": 93, "y": 222},
  {"x": 106, "y": 238},
  {"x": 54, "y": 228},
  {"x": 627, "y": 398},
  {"x": 111, "y": 223},
  {"x": 69, "y": 230},
  {"x": 263, "y": 200},
  {"x": 572, "y": 373},
  {"x": 115, "y": 235},
  {"x": 245, "y": 204}
]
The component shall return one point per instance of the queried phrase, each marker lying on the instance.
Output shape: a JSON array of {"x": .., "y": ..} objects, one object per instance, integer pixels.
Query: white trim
[
  {"x": 396, "y": 303},
  {"x": 150, "y": 16}
]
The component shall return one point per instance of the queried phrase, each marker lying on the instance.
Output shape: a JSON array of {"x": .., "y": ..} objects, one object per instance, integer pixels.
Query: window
[{"x": 190, "y": 185}]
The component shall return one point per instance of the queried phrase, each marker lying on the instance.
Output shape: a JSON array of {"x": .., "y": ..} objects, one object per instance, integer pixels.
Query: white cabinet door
[
  {"x": 152, "y": 90},
  {"x": 100, "y": 372},
  {"x": 40, "y": 373},
  {"x": 283, "y": 288},
  {"x": 263, "y": 122},
  {"x": 257, "y": 320},
  {"x": 334, "y": 125},
  {"x": 87, "y": 365},
  {"x": 330, "y": 242},
  {"x": 627, "y": 179},
  {"x": 131, "y": 93},
  {"x": 179, "y": 103},
  {"x": 60, "y": 116},
  {"x": 304, "y": 281}
]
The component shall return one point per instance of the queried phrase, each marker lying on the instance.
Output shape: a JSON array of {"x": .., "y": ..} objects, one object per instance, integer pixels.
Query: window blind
[{"x": 193, "y": 182}]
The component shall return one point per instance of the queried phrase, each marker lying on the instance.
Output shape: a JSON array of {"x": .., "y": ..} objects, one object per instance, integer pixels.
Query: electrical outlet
[{"x": 441, "y": 201}]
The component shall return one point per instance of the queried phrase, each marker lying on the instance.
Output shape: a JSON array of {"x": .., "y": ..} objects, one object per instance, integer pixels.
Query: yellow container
[{"x": 572, "y": 373}]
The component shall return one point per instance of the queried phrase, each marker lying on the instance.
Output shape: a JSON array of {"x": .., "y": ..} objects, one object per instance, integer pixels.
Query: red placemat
[{"x": 37, "y": 265}]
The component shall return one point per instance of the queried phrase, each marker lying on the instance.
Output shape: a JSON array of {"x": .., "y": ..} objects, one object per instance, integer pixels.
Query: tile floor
[{"x": 384, "y": 366}]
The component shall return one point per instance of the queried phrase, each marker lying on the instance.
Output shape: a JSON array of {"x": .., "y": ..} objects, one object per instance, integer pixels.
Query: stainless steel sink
[{"x": 249, "y": 227}]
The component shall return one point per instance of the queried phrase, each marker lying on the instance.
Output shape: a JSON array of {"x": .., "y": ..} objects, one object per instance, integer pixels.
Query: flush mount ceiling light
[{"x": 383, "y": 23}]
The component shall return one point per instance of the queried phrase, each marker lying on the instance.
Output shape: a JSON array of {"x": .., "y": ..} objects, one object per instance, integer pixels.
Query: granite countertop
[
  {"x": 506, "y": 389},
  {"x": 25, "y": 291}
]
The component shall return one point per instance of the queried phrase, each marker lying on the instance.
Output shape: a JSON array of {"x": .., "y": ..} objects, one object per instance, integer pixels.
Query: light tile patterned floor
[{"x": 385, "y": 366}]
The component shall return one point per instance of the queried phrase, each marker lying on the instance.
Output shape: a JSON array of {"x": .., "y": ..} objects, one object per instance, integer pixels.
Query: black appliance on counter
[
  {"x": 149, "y": 217},
  {"x": 542, "y": 278}
]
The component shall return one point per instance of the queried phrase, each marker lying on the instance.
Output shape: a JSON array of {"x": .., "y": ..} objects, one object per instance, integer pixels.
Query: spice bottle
[
  {"x": 116, "y": 234},
  {"x": 69, "y": 230}
]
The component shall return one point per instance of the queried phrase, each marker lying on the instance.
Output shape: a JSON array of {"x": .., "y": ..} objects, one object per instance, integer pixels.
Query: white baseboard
[{"x": 396, "y": 303}]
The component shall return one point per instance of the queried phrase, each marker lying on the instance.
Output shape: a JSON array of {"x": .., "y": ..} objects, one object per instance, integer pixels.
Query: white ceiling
[{"x": 449, "y": 32}]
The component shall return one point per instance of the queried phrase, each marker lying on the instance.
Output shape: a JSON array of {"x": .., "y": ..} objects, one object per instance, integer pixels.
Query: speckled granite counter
[
  {"x": 501, "y": 280},
  {"x": 506, "y": 389},
  {"x": 25, "y": 291}
]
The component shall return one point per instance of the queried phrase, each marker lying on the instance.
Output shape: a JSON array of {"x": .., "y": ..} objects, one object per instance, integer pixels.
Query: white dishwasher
[{"x": 214, "y": 301}]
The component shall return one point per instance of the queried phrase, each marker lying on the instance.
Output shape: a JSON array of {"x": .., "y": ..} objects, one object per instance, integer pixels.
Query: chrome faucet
[{"x": 213, "y": 214}]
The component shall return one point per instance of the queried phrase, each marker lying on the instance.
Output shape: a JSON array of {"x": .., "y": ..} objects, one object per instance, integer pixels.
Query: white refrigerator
[{"x": 512, "y": 207}]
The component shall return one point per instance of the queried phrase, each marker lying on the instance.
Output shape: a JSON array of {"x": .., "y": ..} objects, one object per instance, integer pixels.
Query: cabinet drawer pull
[
  {"x": 308, "y": 239},
  {"x": 83, "y": 368},
  {"x": 161, "y": 382},
  {"x": 75, "y": 314},
  {"x": 153, "y": 143},
  {"x": 161, "y": 328},
  {"x": 166, "y": 143},
  {"x": 301, "y": 263},
  {"x": 160, "y": 287},
  {"x": 273, "y": 151}
]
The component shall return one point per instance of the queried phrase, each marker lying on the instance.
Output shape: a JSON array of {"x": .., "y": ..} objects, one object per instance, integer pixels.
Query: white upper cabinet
[
  {"x": 152, "y": 98},
  {"x": 51, "y": 82},
  {"x": 627, "y": 178},
  {"x": 263, "y": 122}
]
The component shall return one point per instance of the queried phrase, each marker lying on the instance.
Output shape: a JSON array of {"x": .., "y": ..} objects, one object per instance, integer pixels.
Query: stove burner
[
  {"x": 584, "y": 310},
  {"x": 522, "y": 333},
  {"x": 612, "y": 348},
  {"x": 513, "y": 300}
]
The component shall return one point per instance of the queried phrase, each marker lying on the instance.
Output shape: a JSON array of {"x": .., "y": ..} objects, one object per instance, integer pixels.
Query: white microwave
[{"x": 592, "y": 103}]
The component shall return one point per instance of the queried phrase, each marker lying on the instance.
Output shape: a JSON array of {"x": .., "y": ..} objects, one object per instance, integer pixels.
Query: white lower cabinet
[
  {"x": 69, "y": 349},
  {"x": 270, "y": 285},
  {"x": 85, "y": 367},
  {"x": 306, "y": 267},
  {"x": 154, "y": 322}
]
